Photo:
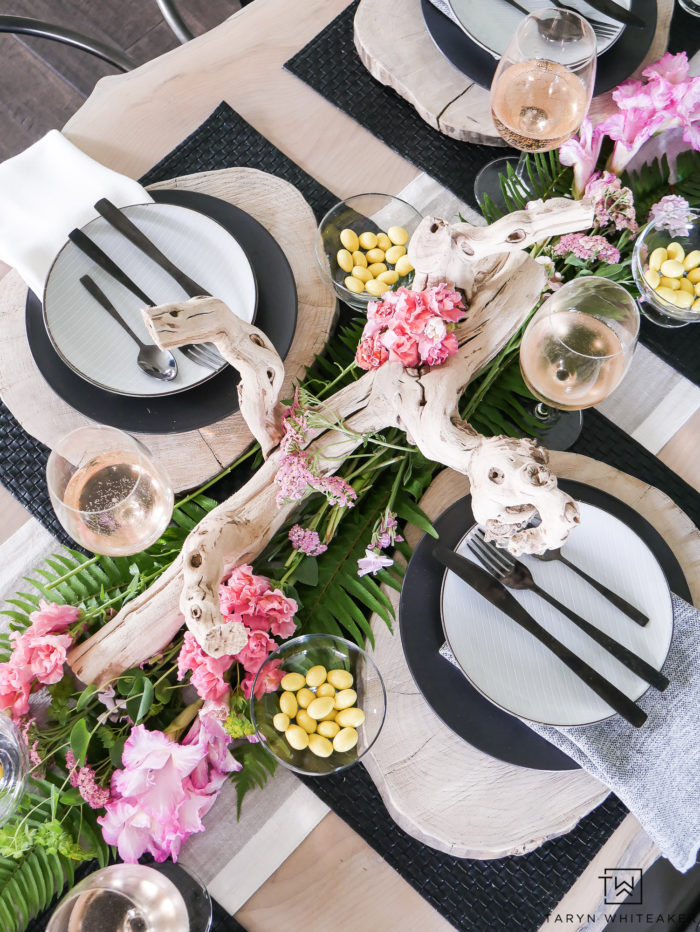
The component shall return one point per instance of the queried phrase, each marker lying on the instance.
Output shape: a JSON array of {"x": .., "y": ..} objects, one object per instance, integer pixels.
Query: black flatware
[
  {"x": 116, "y": 218},
  {"x": 515, "y": 575},
  {"x": 615, "y": 11},
  {"x": 495, "y": 592}
]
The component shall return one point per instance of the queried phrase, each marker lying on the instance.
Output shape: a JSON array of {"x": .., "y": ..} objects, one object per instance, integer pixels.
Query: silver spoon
[{"x": 157, "y": 363}]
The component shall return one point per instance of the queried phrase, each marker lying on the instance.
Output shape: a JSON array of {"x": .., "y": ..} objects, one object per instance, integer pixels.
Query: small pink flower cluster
[
  {"x": 668, "y": 98},
  {"x": 297, "y": 472},
  {"x": 385, "y": 535},
  {"x": 164, "y": 789},
  {"x": 37, "y": 655},
  {"x": 587, "y": 248},
  {"x": 613, "y": 204},
  {"x": 83, "y": 778},
  {"x": 411, "y": 327},
  {"x": 306, "y": 541},
  {"x": 671, "y": 213}
]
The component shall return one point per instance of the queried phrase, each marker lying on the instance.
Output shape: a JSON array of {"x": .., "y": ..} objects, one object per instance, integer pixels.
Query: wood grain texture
[
  {"x": 467, "y": 803},
  {"x": 193, "y": 457},
  {"x": 396, "y": 48}
]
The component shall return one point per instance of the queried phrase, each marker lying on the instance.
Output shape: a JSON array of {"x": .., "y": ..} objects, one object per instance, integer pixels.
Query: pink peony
[
  {"x": 207, "y": 671},
  {"x": 52, "y": 618},
  {"x": 582, "y": 152},
  {"x": 267, "y": 683}
]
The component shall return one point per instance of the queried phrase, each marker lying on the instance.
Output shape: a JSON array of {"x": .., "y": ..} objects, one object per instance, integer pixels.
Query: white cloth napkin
[
  {"x": 655, "y": 769},
  {"x": 45, "y": 192}
]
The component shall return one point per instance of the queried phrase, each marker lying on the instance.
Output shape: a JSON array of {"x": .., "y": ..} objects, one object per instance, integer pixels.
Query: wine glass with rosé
[{"x": 540, "y": 92}]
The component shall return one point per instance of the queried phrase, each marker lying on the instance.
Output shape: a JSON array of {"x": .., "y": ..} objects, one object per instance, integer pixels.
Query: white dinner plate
[
  {"x": 519, "y": 674},
  {"x": 491, "y": 23},
  {"x": 94, "y": 345}
]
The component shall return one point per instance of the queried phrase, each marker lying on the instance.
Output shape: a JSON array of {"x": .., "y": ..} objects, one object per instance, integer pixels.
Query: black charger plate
[
  {"x": 444, "y": 686},
  {"x": 615, "y": 65},
  {"x": 212, "y": 400}
]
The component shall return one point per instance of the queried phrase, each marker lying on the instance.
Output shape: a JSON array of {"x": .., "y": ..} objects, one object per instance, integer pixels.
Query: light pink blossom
[
  {"x": 267, "y": 683},
  {"x": 306, "y": 541},
  {"x": 674, "y": 68},
  {"x": 207, "y": 671},
  {"x": 51, "y": 618},
  {"x": 588, "y": 248},
  {"x": 582, "y": 152},
  {"x": 210, "y": 736},
  {"x": 671, "y": 213},
  {"x": 83, "y": 778},
  {"x": 613, "y": 204},
  {"x": 372, "y": 562},
  {"x": 254, "y": 654}
]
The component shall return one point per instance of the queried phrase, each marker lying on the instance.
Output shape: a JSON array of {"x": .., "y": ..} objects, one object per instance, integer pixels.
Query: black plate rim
[{"x": 538, "y": 754}]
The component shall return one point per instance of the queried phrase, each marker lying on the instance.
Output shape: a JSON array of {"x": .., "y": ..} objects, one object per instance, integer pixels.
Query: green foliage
[
  {"x": 651, "y": 182},
  {"x": 257, "y": 766},
  {"x": 544, "y": 176}
]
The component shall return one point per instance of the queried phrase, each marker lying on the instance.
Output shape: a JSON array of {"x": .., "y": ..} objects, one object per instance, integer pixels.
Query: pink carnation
[
  {"x": 45, "y": 654},
  {"x": 248, "y": 599},
  {"x": 207, "y": 671},
  {"x": 267, "y": 683},
  {"x": 14, "y": 689},
  {"x": 53, "y": 618},
  {"x": 254, "y": 654}
]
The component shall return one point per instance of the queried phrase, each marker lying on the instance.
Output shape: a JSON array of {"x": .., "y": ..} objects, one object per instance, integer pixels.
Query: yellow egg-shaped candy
[
  {"x": 306, "y": 722},
  {"x": 325, "y": 689},
  {"x": 675, "y": 251},
  {"x": 692, "y": 260},
  {"x": 280, "y": 721},
  {"x": 652, "y": 278},
  {"x": 673, "y": 283},
  {"x": 390, "y": 277},
  {"x": 363, "y": 274},
  {"x": 320, "y": 746},
  {"x": 345, "y": 740},
  {"x": 305, "y": 697},
  {"x": 292, "y": 681},
  {"x": 671, "y": 268},
  {"x": 398, "y": 236},
  {"x": 697, "y": 289},
  {"x": 666, "y": 293},
  {"x": 288, "y": 704},
  {"x": 694, "y": 276},
  {"x": 685, "y": 285},
  {"x": 359, "y": 258},
  {"x": 341, "y": 679},
  {"x": 328, "y": 729},
  {"x": 383, "y": 241},
  {"x": 695, "y": 306},
  {"x": 682, "y": 299},
  {"x": 350, "y": 240},
  {"x": 375, "y": 287},
  {"x": 394, "y": 254},
  {"x": 368, "y": 240},
  {"x": 345, "y": 698},
  {"x": 375, "y": 255},
  {"x": 658, "y": 256},
  {"x": 403, "y": 266},
  {"x": 377, "y": 269},
  {"x": 354, "y": 284},
  {"x": 344, "y": 260},
  {"x": 350, "y": 718},
  {"x": 297, "y": 737},
  {"x": 320, "y": 707},
  {"x": 316, "y": 675}
]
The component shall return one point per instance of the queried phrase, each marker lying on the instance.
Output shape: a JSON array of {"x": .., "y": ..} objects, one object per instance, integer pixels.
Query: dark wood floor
[{"x": 42, "y": 83}]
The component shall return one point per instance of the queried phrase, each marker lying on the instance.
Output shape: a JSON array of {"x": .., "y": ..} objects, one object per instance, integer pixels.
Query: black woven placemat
[
  {"x": 474, "y": 895},
  {"x": 330, "y": 64}
]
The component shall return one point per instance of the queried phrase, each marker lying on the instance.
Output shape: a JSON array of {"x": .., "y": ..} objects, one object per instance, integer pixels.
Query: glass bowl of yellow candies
[
  {"x": 329, "y": 707},
  {"x": 666, "y": 269},
  {"x": 362, "y": 247}
]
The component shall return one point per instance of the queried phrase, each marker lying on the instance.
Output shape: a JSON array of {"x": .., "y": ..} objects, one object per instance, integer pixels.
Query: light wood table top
[{"x": 129, "y": 123}]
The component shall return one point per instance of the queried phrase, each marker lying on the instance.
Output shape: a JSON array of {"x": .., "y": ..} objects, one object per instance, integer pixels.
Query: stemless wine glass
[
  {"x": 107, "y": 491},
  {"x": 541, "y": 90},
  {"x": 578, "y": 347},
  {"x": 13, "y": 767}
]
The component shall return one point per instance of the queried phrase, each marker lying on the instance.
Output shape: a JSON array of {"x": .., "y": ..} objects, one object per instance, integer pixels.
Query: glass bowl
[
  {"x": 298, "y": 656},
  {"x": 14, "y": 766},
  {"x": 654, "y": 306},
  {"x": 361, "y": 213}
]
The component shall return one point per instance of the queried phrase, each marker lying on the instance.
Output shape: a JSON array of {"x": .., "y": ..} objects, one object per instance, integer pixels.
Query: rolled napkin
[
  {"x": 655, "y": 769},
  {"x": 45, "y": 192}
]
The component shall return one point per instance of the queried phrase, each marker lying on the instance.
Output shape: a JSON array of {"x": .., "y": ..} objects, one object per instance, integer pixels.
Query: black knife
[
  {"x": 495, "y": 592},
  {"x": 101, "y": 259},
  {"x": 116, "y": 218},
  {"x": 617, "y": 12}
]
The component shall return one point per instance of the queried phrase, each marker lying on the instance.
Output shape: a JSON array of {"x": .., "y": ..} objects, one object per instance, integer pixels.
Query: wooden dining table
[{"x": 333, "y": 879}]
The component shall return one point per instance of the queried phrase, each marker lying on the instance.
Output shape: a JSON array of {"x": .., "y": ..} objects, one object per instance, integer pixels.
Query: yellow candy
[
  {"x": 305, "y": 697},
  {"x": 297, "y": 737},
  {"x": 398, "y": 236},
  {"x": 390, "y": 277},
  {"x": 319, "y": 708},
  {"x": 377, "y": 269},
  {"x": 350, "y": 240},
  {"x": 667, "y": 294},
  {"x": 675, "y": 251},
  {"x": 354, "y": 284},
  {"x": 350, "y": 718},
  {"x": 328, "y": 729},
  {"x": 325, "y": 689},
  {"x": 383, "y": 241},
  {"x": 652, "y": 278},
  {"x": 364, "y": 275},
  {"x": 403, "y": 266},
  {"x": 375, "y": 255},
  {"x": 376, "y": 288},
  {"x": 345, "y": 740},
  {"x": 368, "y": 240},
  {"x": 292, "y": 681},
  {"x": 306, "y": 722},
  {"x": 695, "y": 306},
  {"x": 280, "y": 721},
  {"x": 697, "y": 289},
  {"x": 344, "y": 259},
  {"x": 341, "y": 679},
  {"x": 682, "y": 299},
  {"x": 672, "y": 283},
  {"x": 394, "y": 254},
  {"x": 692, "y": 260},
  {"x": 671, "y": 268},
  {"x": 658, "y": 256},
  {"x": 331, "y": 715},
  {"x": 288, "y": 704},
  {"x": 315, "y": 676},
  {"x": 694, "y": 276},
  {"x": 685, "y": 285},
  {"x": 344, "y": 699},
  {"x": 320, "y": 746},
  {"x": 359, "y": 258}
]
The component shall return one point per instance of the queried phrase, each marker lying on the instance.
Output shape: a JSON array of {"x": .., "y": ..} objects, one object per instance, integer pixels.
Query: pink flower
[
  {"x": 671, "y": 213},
  {"x": 45, "y": 655},
  {"x": 402, "y": 345},
  {"x": 126, "y": 825},
  {"x": 267, "y": 683},
  {"x": 437, "y": 353},
  {"x": 371, "y": 354},
  {"x": 255, "y": 652},
  {"x": 582, "y": 152},
  {"x": 14, "y": 689},
  {"x": 50, "y": 618},
  {"x": 613, "y": 204},
  {"x": 280, "y": 610},
  {"x": 674, "y": 68},
  {"x": 207, "y": 671},
  {"x": 372, "y": 562},
  {"x": 587, "y": 248},
  {"x": 210, "y": 736},
  {"x": 306, "y": 541},
  {"x": 248, "y": 598},
  {"x": 630, "y": 129},
  {"x": 386, "y": 534},
  {"x": 83, "y": 778},
  {"x": 445, "y": 302}
]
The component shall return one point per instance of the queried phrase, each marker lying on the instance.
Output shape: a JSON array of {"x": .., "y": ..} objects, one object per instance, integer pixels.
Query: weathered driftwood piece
[
  {"x": 245, "y": 347},
  {"x": 509, "y": 479}
]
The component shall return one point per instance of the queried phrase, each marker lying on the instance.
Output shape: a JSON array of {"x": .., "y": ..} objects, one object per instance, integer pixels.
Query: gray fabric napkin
[{"x": 655, "y": 769}]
